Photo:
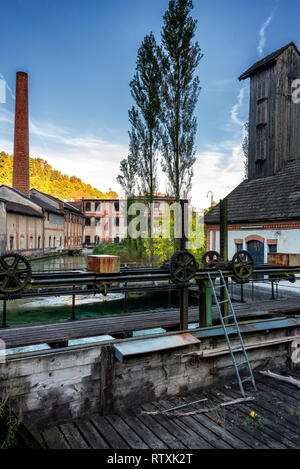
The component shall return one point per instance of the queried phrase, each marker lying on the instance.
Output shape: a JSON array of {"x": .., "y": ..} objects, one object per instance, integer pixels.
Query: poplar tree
[
  {"x": 145, "y": 124},
  {"x": 179, "y": 58}
]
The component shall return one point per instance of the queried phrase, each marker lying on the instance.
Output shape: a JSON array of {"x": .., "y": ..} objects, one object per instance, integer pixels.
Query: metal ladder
[{"x": 237, "y": 331}]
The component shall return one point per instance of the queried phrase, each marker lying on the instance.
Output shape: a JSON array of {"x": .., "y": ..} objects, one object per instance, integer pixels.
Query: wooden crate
[{"x": 103, "y": 264}]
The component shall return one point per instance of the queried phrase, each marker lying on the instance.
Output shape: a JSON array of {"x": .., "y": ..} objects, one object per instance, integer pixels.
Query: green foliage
[
  {"x": 129, "y": 250},
  {"x": 47, "y": 179},
  {"x": 9, "y": 424},
  {"x": 180, "y": 89},
  {"x": 165, "y": 244}
]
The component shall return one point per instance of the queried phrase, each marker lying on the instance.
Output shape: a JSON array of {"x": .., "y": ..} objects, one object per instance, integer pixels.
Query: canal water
[{"x": 48, "y": 309}]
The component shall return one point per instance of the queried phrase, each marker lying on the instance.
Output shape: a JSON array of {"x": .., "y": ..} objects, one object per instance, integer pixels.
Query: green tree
[
  {"x": 180, "y": 57},
  {"x": 144, "y": 119}
]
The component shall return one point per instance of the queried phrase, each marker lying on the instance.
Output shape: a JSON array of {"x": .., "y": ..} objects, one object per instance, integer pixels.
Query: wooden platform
[
  {"x": 275, "y": 425},
  {"x": 125, "y": 323}
]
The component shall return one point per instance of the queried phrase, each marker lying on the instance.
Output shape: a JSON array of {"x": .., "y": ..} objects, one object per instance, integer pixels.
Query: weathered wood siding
[
  {"x": 274, "y": 112},
  {"x": 287, "y": 146}
]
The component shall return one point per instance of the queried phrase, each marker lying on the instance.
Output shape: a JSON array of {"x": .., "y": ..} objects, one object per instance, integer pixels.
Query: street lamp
[{"x": 212, "y": 197}]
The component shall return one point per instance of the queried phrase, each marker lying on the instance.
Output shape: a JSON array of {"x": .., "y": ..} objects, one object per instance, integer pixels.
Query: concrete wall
[{"x": 59, "y": 385}]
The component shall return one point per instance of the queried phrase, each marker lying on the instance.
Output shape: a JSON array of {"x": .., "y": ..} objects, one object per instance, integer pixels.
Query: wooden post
[
  {"x": 224, "y": 248},
  {"x": 4, "y": 323},
  {"x": 106, "y": 379},
  {"x": 184, "y": 292},
  {"x": 205, "y": 304}
]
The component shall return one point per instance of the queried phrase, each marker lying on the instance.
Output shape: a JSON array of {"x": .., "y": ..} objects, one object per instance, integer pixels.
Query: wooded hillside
[{"x": 51, "y": 181}]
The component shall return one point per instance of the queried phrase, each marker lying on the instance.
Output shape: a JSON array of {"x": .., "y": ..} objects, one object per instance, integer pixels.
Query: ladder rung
[
  {"x": 222, "y": 302},
  {"x": 229, "y": 316},
  {"x": 246, "y": 379},
  {"x": 242, "y": 363},
  {"x": 237, "y": 348}
]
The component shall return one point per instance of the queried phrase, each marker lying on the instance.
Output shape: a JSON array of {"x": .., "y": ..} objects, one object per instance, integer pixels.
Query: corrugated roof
[
  {"x": 266, "y": 62},
  {"x": 266, "y": 199}
]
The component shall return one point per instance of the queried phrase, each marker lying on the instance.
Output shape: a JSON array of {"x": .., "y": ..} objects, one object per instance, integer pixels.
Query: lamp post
[{"x": 212, "y": 197}]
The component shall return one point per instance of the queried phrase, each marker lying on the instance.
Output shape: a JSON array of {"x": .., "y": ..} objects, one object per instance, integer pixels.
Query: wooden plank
[
  {"x": 237, "y": 432},
  {"x": 142, "y": 430},
  {"x": 159, "y": 430},
  {"x": 209, "y": 439},
  {"x": 277, "y": 432},
  {"x": 109, "y": 433},
  {"x": 133, "y": 440},
  {"x": 252, "y": 426},
  {"x": 216, "y": 428},
  {"x": 281, "y": 389},
  {"x": 95, "y": 440},
  {"x": 186, "y": 436},
  {"x": 54, "y": 439},
  {"x": 280, "y": 411},
  {"x": 73, "y": 436},
  {"x": 283, "y": 402}
]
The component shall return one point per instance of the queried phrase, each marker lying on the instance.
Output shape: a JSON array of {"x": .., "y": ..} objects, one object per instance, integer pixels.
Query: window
[
  {"x": 97, "y": 206},
  {"x": 97, "y": 240},
  {"x": 11, "y": 243},
  {"x": 60, "y": 241},
  {"x": 239, "y": 247},
  {"x": 88, "y": 221},
  {"x": 87, "y": 239},
  {"x": 117, "y": 240},
  {"x": 49, "y": 241},
  {"x": 54, "y": 242},
  {"x": 272, "y": 248},
  {"x": 97, "y": 221},
  {"x": 156, "y": 205},
  {"x": 88, "y": 206},
  {"x": 117, "y": 206},
  {"x": 117, "y": 221},
  {"x": 39, "y": 242}
]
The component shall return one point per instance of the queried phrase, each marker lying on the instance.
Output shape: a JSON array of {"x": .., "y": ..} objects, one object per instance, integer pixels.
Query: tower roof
[{"x": 267, "y": 61}]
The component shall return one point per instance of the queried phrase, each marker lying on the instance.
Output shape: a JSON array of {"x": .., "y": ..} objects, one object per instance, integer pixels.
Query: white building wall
[{"x": 288, "y": 241}]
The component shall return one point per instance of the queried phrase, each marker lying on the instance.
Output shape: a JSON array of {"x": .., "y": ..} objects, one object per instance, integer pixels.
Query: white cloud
[
  {"x": 7, "y": 86},
  {"x": 262, "y": 35},
  {"x": 236, "y": 108}
]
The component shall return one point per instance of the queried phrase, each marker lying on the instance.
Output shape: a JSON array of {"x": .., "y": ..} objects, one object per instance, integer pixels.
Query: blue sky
[{"x": 80, "y": 57}]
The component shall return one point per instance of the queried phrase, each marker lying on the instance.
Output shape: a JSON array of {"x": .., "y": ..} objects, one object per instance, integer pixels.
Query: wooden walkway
[
  {"x": 275, "y": 424},
  {"x": 125, "y": 323}
]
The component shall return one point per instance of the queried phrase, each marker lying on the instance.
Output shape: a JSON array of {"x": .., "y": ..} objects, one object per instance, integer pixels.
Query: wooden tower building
[{"x": 274, "y": 121}]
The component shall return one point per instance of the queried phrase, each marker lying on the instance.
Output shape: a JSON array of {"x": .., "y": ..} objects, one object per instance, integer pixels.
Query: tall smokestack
[{"x": 21, "y": 142}]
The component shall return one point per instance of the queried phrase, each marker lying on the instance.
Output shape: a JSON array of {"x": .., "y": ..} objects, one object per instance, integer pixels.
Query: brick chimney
[{"x": 21, "y": 142}]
